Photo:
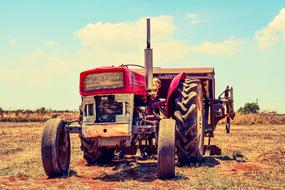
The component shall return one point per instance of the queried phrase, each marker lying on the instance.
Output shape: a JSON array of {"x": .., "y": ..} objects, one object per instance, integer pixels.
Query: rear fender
[{"x": 173, "y": 85}]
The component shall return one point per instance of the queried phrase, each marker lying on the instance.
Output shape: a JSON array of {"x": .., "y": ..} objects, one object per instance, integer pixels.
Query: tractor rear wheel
[
  {"x": 189, "y": 117},
  {"x": 166, "y": 149},
  {"x": 93, "y": 154},
  {"x": 55, "y": 148}
]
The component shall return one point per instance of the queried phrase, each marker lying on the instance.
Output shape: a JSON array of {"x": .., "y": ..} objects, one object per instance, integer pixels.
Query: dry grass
[
  {"x": 258, "y": 119},
  {"x": 263, "y": 147}
]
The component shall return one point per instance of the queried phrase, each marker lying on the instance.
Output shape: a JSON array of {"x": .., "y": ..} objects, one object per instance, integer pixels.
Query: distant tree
[
  {"x": 41, "y": 110},
  {"x": 27, "y": 111},
  {"x": 18, "y": 111},
  {"x": 1, "y": 111},
  {"x": 249, "y": 108}
]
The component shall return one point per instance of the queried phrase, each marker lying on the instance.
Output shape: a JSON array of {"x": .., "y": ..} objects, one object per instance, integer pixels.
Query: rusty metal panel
[
  {"x": 114, "y": 142},
  {"x": 105, "y": 130}
]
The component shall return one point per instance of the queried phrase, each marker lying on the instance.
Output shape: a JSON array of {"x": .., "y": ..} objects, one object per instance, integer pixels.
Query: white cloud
[
  {"x": 119, "y": 43},
  {"x": 273, "y": 32},
  {"x": 218, "y": 48},
  {"x": 194, "y": 18},
  {"x": 38, "y": 53}
]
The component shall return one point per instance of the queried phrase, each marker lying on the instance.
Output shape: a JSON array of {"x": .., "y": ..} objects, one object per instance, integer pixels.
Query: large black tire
[
  {"x": 55, "y": 148},
  {"x": 190, "y": 126},
  {"x": 93, "y": 154},
  {"x": 166, "y": 149}
]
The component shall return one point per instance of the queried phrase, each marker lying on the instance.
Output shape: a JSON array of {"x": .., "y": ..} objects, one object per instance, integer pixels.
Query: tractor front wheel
[
  {"x": 93, "y": 154},
  {"x": 166, "y": 149},
  {"x": 55, "y": 148}
]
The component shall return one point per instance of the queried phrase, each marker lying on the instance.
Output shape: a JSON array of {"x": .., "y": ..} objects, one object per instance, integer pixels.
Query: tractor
[{"x": 164, "y": 112}]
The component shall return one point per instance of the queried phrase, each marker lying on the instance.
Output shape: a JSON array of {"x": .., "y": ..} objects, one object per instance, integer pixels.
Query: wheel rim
[{"x": 63, "y": 148}]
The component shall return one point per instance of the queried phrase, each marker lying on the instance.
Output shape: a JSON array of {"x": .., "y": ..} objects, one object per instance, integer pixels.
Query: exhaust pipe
[{"x": 148, "y": 59}]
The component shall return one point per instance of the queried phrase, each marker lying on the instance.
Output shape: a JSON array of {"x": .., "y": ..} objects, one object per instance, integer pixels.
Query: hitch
[
  {"x": 224, "y": 107},
  {"x": 230, "y": 114}
]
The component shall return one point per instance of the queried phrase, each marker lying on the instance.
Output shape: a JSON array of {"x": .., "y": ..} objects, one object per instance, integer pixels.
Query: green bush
[{"x": 249, "y": 108}]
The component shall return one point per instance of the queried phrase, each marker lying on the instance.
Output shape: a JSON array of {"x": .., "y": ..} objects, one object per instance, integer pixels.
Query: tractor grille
[{"x": 107, "y": 108}]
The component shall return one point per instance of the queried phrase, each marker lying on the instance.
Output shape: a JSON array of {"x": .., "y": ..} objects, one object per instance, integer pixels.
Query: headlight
[{"x": 98, "y": 81}]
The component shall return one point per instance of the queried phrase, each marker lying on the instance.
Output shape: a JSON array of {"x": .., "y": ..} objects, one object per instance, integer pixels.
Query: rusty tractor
[{"x": 159, "y": 111}]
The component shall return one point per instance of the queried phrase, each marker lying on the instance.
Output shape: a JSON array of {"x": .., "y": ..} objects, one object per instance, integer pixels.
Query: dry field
[{"x": 263, "y": 147}]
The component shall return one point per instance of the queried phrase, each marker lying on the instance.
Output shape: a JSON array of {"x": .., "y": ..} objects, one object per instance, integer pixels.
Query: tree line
[{"x": 40, "y": 110}]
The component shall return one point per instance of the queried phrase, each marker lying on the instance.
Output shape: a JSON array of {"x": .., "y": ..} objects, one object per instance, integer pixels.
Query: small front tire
[
  {"x": 55, "y": 148},
  {"x": 166, "y": 149}
]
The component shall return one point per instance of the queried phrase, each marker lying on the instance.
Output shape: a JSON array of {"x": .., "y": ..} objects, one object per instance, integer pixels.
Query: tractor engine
[{"x": 113, "y": 99}]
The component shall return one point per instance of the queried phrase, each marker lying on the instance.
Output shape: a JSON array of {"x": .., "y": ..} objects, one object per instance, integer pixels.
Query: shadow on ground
[
  {"x": 146, "y": 172},
  {"x": 213, "y": 161},
  {"x": 143, "y": 172}
]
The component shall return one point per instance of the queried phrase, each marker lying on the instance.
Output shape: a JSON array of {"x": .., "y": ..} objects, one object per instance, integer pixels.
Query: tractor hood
[{"x": 111, "y": 80}]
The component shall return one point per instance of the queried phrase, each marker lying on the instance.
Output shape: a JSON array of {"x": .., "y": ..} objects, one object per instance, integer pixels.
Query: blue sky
[{"x": 45, "y": 44}]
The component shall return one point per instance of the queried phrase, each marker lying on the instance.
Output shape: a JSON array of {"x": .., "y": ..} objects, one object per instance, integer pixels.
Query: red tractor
[{"x": 163, "y": 111}]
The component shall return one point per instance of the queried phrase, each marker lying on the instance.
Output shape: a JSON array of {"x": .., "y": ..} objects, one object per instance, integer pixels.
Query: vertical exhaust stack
[{"x": 148, "y": 59}]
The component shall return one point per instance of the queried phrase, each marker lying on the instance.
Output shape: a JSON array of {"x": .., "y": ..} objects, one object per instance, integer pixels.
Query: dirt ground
[{"x": 262, "y": 167}]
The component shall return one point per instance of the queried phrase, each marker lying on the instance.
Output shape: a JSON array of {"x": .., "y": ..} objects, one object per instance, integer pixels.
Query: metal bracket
[{"x": 74, "y": 128}]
